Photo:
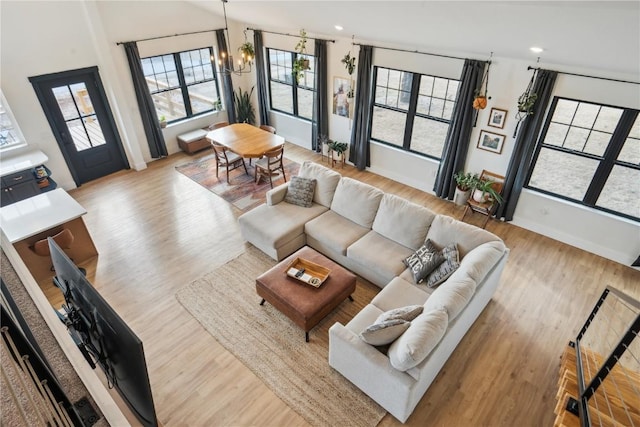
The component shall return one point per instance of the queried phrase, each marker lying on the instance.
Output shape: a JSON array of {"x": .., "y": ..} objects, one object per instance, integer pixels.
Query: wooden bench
[{"x": 193, "y": 141}]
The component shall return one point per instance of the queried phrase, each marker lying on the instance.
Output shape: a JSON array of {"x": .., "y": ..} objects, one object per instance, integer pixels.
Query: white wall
[{"x": 80, "y": 34}]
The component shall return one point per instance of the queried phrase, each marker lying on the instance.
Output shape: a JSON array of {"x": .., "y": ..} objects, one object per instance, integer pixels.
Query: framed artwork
[
  {"x": 341, "y": 89},
  {"x": 491, "y": 141},
  {"x": 497, "y": 118}
]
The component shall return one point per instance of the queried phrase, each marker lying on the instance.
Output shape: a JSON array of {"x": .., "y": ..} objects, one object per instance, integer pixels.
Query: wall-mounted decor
[
  {"x": 497, "y": 118},
  {"x": 341, "y": 90},
  {"x": 491, "y": 141}
]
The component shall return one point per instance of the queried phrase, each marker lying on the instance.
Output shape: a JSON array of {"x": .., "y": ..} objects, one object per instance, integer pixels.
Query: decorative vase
[
  {"x": 479, "y": 196},
  {"x": 480, "y": 102},
  {"x": 461, "y": 196}
]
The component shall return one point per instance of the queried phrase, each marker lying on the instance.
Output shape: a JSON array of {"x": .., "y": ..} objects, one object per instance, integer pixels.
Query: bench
[{"x": 193, "y": 141}]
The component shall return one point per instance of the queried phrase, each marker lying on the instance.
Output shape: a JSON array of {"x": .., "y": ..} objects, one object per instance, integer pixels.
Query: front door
[{"x": 76, "y": 107}]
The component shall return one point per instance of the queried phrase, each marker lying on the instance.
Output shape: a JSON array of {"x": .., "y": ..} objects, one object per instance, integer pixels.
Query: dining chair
[
  {"x": 485, "y": 204},
  {"x": 270, "y": 164},
  {"x": 268, "y": 128},
  {"x": 218, "y": 125},
  {"x": 228, "y": 159}
]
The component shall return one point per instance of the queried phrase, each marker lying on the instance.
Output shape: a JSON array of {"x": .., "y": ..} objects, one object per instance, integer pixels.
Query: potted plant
[
  {"x": 349, "y": 63},
  {"x": 217, "y": 105},
  {"x": 163, "y": 122},
  {"x": 301, "y": 63},
  {"x": 479, "y": 100},
  {"x": 484, "y": 191},
  {"x": 465, "y": 182},
  {"x": 245, "y": 112},
  {"x": 526, "y": 101},
  {"x": 339, "y": 149}
]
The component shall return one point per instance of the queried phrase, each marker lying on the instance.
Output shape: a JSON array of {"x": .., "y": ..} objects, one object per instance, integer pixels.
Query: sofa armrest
[
  {"x": 370, "y": 371},
  {"x": 276, "y": 195}
]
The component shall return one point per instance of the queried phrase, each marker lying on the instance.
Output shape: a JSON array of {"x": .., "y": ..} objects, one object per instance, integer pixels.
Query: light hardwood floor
[{"x": 156, "y": 231}]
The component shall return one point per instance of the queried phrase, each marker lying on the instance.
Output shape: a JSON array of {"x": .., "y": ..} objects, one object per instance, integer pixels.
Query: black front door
[{"x": 76, "y": 107}]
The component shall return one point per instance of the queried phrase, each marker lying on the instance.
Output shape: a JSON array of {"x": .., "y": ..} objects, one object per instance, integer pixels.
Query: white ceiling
[{"x": 598, "y": 35}]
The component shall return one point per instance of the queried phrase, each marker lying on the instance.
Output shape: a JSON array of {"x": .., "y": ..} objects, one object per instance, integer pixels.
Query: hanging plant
[
  {"x": 479, "y": 96},
  {"x": 301, "y": 63},
  {"x": 349, "y": 63},
  {"x": 526, "y": 102}
]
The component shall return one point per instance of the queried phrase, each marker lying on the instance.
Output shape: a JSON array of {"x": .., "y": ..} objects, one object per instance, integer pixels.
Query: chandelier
[{"x": 226, "y": 62}]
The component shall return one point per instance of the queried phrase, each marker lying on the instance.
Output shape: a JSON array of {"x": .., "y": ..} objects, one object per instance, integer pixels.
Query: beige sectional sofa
[{"x": 371, "y": 233}]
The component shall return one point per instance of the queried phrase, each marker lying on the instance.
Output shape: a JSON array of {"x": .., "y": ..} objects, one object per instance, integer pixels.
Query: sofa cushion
[
  {"x": 483, "y": 258},
  {"x": 450, "y": 263},
  {"x": 379, "y": 254},
  {"x": 402, "y": 221},
  {"x": 423, "y": 261},
  {"x": 300, "y": 191},
  {"x": 419, "y": 340},
  {"x": 398, "y": 293},
  {"x": 445, "y": 230},
  {"x": 273, "y": 226},
  {"x": 334, "y": 231},
  {"x": 453, "y": 295},
  {"x": 407, "y": 313},
  {"x": 326, "y": 181},
  {"x": 356, "y": 201},
  {"x": 385, "y": 332}
]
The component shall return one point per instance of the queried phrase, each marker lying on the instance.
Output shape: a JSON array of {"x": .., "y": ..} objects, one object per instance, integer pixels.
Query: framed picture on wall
[
  {"x": 341, "y": 92},
  {"x": 491, "y": 141},
  {"x": 497, "y": 118}
]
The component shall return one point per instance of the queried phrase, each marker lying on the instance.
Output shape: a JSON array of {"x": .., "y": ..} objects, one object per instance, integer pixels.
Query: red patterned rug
[{"x": 242, "y": 191}]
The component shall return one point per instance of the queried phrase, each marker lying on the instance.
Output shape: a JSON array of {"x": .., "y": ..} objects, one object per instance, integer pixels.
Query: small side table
[{"x": 333, "y": 158}]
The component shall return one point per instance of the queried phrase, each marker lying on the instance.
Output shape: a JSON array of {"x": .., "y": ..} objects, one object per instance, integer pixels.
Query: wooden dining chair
[
  {"x": 488, "y": 205},
  {"x": 270, "y": 165},
  {"x": 228, "y": 159},
  {"x": 268, "y": 128},
  {"x": 217, "y": 125}
]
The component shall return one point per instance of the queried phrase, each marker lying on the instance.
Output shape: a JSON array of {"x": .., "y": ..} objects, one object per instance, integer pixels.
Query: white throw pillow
[
  {"x": 419, "y": 340},
  {"x": 453, "y": 295},
  {"x": 385, "y": 332},
  {"x": 407, "y": 313}
]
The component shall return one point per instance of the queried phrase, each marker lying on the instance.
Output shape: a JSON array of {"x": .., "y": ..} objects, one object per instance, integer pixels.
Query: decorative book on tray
[{"x": 307, "y": 272}]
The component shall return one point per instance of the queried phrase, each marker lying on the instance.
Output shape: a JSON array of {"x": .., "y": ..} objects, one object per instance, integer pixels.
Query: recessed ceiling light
[
  {"x": 535, "y": 49},
  {"x": 338, "y": 27}
]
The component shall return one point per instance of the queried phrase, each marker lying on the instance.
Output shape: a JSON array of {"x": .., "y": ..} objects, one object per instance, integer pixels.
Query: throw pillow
[
  {"x": 421, "y": 338},
  {"x": 300, "y": 191},
  {"x": 385, "y": 332},
  {"x": 446, "y": 268},
  {"x": 407, "y": 313},
  {"x": 424, "y": 261}
]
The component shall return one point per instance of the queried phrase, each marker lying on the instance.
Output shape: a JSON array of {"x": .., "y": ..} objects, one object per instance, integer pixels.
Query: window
[
  {"x": 412, "y": 111},
  {"x": 590, "y": 153},
  {"x": 182, "y": 84},
  {"x": 10, "y": 135},
  {"x": 287, "y": 95}
]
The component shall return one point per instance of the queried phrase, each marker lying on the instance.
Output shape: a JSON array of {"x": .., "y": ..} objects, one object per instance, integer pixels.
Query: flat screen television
[{"x": 103, "y": 337}]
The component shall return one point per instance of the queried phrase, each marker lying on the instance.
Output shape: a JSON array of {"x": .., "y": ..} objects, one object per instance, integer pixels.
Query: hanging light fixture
[{"x": 225, "y": 60}]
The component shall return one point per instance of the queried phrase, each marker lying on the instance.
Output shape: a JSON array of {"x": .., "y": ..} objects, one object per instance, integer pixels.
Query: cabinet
[{"x": 23, "y": 178}]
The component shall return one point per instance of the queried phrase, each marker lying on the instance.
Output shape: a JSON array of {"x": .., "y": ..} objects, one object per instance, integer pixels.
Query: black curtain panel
[
  {"x": 227, "y": 84},
  {"x": 261, "y": 78},
  {"x": 320, "y": 124},
  {"x": 359, "y": 149},
  {"x": 456, "y": 145},
  {"x": 525, "y": 144},
  {"x": 148, "y": 113}
]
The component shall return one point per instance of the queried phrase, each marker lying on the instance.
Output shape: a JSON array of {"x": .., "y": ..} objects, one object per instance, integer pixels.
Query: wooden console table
[{"x": 38, "y": 217}]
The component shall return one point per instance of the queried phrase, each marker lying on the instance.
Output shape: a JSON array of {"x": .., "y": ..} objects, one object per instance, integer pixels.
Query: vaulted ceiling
[{"x": 598, "y": 35}]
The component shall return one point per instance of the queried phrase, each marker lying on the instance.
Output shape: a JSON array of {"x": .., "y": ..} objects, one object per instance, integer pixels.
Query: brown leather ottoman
[{"x": 304, "y": 304}]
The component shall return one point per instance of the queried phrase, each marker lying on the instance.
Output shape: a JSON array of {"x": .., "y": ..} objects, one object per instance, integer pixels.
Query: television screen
[{"x": 104, "y": 337}]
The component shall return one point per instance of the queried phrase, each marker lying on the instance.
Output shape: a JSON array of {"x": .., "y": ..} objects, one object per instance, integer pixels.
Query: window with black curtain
[
  {"x": 286, "y": 95},
  {"x": 589, "y": 153},
  {"x": 412, "y": 111},
  {"x": 182, "y": 84}
]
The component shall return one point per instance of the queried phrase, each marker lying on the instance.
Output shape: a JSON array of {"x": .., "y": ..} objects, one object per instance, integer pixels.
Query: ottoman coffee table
[{"x": 305, "y": 304}]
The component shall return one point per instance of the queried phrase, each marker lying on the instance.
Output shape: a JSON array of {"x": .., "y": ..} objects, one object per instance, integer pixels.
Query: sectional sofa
[{"x": 371, "y": 233}]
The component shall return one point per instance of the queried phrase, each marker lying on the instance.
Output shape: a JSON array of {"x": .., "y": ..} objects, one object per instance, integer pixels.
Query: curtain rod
[
  {"x": 172, "y": 35},
  {"x": 290, "y": 35},
  {"x": 414, "y": 51},
  {"x": 585, "y": 75}
]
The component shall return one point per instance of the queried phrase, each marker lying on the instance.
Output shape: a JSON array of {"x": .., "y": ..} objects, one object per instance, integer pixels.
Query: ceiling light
[
  {"x": 535, "y": 49},
  {"x": 225, "y": 61},
  {"x": 338, "y": 27}
]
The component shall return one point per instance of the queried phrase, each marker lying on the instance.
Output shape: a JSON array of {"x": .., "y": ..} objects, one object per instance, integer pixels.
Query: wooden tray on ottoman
[{"x": 314, "y": 274}]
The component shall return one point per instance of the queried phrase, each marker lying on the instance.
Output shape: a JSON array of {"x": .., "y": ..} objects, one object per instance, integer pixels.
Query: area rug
[
  {"x": 269, "y": 344},
  {"x": 241, "y": 191}
]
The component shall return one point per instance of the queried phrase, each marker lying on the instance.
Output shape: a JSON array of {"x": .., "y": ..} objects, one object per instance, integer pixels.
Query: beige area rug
[{"x": 226, "y": 304}]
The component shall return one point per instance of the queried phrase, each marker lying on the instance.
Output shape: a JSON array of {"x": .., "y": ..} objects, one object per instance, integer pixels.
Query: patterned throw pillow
[
  {"x": 446, "y": 269},
  {"x": 300, "y": 191},
  {"x": 424, "y": 261},
  {"x": 407, "y": 313},
  {"x": 385, "y": 332}
]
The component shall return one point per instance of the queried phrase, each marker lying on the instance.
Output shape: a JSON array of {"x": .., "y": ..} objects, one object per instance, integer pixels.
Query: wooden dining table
[{"x": 245, "y": 140}]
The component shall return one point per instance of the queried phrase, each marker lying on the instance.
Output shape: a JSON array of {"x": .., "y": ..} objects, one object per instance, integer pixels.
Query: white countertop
[
  {"x": 31, "y": 159},
  {"x": 39, "y": 213}
]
